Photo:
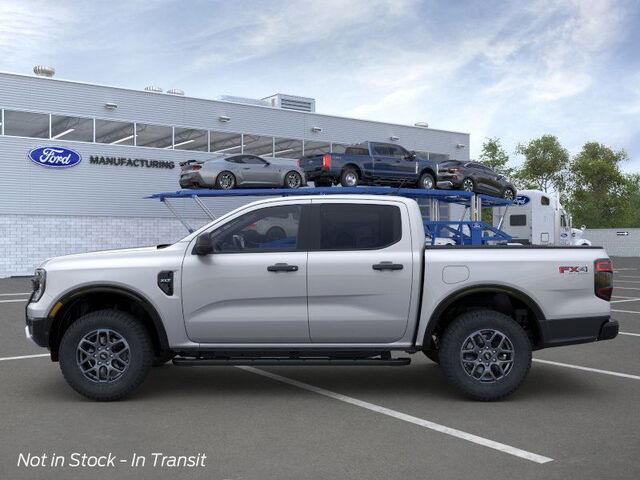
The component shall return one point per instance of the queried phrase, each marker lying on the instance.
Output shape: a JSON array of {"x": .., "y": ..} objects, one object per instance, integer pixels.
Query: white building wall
[{"x": 619, "y": 242}]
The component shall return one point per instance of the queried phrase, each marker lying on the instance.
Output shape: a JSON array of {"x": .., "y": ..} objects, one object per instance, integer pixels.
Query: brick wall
[{"x": 27, "y": 240}]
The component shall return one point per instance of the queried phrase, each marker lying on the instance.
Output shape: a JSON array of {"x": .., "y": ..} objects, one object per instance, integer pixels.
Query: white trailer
[{"x": 537, "y": 218}]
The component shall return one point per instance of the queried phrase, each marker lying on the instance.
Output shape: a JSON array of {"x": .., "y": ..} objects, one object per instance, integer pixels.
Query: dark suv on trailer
[{"x": 474, "y": 177}]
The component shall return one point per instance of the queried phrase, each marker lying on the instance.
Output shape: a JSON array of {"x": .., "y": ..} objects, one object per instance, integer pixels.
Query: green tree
[
  {"x": 601, "y": 196},
  {"x": 494, "y": 156},
  {"x": 545, "y": 164}
]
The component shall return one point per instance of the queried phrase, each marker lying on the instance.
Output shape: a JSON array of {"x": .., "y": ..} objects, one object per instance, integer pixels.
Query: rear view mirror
[{"x": 203, "y": 245}]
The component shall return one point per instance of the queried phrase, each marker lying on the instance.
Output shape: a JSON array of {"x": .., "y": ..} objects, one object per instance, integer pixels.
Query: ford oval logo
[
  {"x": 521, "y": 200},
  {"x": 55, "y": 157}
]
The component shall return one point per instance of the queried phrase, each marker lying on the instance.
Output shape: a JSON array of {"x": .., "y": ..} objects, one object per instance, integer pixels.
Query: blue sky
[{"x": 515, "y": 70}]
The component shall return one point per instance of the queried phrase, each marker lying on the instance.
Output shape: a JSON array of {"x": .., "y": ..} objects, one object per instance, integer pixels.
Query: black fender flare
[
  {"x": 488, "y": 288},
  {"x": 69, "y": 298}
]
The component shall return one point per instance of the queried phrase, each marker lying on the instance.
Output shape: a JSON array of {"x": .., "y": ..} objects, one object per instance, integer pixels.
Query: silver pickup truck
[{"x": 346, "y": 281}]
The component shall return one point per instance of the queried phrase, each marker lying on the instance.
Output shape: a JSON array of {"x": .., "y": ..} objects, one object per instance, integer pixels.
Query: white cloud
[{"x": 31, "y": 29}]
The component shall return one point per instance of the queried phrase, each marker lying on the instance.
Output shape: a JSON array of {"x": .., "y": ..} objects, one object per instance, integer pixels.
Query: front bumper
[
  {"x": 571, "y": 331},
  {"x": 37, "y": 330}
]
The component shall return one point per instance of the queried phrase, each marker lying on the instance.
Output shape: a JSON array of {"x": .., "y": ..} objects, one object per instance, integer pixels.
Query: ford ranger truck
[
  {"x": 351, "y": 283},
  {"x": 371, "y": 163}
]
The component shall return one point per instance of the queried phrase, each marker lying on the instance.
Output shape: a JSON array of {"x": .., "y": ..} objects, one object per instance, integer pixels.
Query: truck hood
[{"x": 111, "y": 258}]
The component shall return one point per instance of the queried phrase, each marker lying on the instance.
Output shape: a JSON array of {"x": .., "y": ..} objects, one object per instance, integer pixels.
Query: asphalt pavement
[{"x": 576, "y": 416}]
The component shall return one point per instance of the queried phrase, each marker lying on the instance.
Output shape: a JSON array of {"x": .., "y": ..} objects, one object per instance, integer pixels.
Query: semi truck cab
[{"x": 538, "y": 218}]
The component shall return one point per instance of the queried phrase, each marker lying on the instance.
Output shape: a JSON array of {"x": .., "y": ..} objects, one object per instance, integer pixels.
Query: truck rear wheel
[
  {"x": 485, "y": 354},
  {"x": 427, "y": 181},
  {"x": 349, "y": 177},
  {"x": 105, "y": 355}
]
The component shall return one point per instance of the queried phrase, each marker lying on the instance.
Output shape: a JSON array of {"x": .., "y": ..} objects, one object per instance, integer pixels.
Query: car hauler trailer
[
  {"x": 468, "y": 230},
  {"x": 537, "y": 218}
]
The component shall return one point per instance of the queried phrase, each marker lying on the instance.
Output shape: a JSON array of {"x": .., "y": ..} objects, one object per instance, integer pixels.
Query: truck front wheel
[
  {"x": 105, "y": 355},
  {"x": 485, "y": 354}
]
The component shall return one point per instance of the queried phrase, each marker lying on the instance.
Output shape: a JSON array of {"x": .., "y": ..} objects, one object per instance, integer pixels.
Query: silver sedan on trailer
[{"x": 241, "y": 170}]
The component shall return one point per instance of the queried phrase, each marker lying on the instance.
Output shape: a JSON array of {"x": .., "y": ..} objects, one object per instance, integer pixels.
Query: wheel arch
[
  {"x": 354, "y": 166},
  {"x": 86, "y": 299},
  {"x": 429, "y": 170},
  {"x": 511, "y": 301}
]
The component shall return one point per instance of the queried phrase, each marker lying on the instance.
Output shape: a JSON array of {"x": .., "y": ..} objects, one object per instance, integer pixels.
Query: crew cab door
[
  {"x": 252, "y": 288},
  {"x": 391, "y": 163},
  {"x": 360, "y": 270},
  {"x": 257, "y": 171}
]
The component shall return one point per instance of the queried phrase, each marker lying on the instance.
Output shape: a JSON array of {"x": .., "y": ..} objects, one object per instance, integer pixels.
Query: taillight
[
  {"x": 603, "y": 278},
  {"x": 326, "y": 161},
  {"x": 196, "y": 167}
]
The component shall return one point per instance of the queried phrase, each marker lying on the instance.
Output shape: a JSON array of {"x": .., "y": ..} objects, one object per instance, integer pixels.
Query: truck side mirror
[
  {"x": 410, "y": 156},
  {"x": 203, "y": 245}
]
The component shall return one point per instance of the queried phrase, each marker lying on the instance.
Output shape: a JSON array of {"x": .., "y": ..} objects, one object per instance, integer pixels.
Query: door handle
[
  {"x": 387, "y": 266},
  {"x": 282, "y": 267}
]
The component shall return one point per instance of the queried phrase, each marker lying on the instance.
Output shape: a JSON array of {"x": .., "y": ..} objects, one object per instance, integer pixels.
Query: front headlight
[{"x": 39, "y": 282}]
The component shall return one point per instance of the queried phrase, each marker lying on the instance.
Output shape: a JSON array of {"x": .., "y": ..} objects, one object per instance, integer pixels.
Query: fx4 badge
[{"x": 573, "y": 269}]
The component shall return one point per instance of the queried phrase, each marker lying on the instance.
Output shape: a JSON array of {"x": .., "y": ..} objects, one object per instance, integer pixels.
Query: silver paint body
[
  {"x": 334, "y": 299},
  {"x": 270, "y": 174}
]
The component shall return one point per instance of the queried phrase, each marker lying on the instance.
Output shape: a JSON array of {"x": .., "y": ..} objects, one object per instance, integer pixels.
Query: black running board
[{"x": 209, "y": 362}]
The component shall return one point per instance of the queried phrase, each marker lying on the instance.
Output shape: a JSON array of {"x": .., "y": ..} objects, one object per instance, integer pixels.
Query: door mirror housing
[{"x": 203, "y": 245}]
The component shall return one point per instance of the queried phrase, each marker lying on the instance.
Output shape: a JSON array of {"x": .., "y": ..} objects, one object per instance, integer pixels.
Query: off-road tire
[
  {"x": 140, "y": 358},
  {"x": 452, "y": 343}
]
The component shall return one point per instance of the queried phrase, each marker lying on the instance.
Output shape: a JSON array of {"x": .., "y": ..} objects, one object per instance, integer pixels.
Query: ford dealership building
[{"x": 77, "y": 160}]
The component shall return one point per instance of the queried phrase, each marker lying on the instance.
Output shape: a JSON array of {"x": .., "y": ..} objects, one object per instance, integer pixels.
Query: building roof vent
[
  {"x": 175, "y": 91},
  {"x": 292, "y": 102},
  {"x": 153, "y": 88},
  {"x": 44, "y": 71}
]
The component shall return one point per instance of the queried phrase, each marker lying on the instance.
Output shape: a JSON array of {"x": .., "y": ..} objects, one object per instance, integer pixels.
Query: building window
[
  {"x": 257, "y": 145},
  {"x": 114, "y": 133},
  {"x": 222, "y": 142},
  {"x": 338, "y": 147},
  {"x": 157, "y": 136},
  {"x": 71, "y": 128},
  {"x": 190, "y": 139},
  {"x": 26, "y": 124},
  {"x": 287, "y": 148},
  {"x": 316, "y": 148}
]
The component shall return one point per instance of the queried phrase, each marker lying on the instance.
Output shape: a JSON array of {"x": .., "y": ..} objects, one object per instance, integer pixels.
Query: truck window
[
  {"x": 359, "y": 227},
  {"x": 517, "y": 220},
  {"x": 360, "y": 149},
  {"x": 356, "y": 151},
  {"x": 272, "y": 229},
  {"x": 544, "y": 200}
]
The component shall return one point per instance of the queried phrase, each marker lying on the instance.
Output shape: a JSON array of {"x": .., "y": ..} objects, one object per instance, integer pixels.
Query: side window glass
[
  {"x": 517, "y": 220},
  {"x": 235, "y": 160},
  {"x": 544, "y": 201},
  {"x": 252, "y": 160},
  {"x": 272, "y": 229},
  {"x": 359, "y": 227}
]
